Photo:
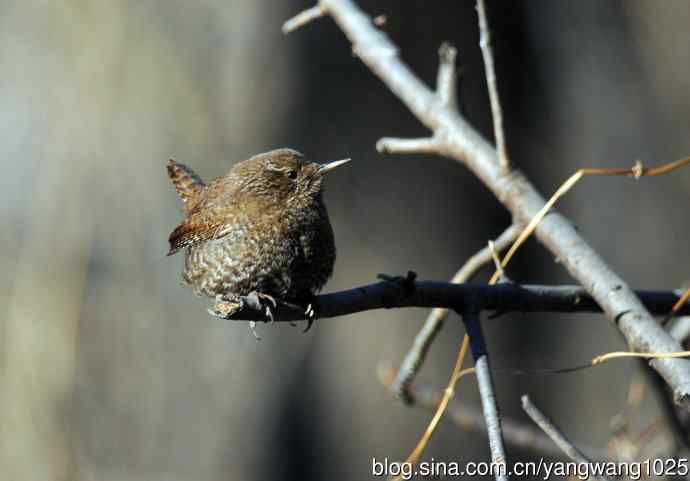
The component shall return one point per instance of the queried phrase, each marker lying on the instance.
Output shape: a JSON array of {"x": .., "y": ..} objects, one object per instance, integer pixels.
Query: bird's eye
[{"x": 292, "y": 174}]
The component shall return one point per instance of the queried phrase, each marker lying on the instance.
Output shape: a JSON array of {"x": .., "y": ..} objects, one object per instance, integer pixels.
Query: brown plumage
[{"x": 262, "y": 228}]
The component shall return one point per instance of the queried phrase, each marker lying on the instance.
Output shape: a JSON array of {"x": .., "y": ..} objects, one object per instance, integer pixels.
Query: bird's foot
[
  {"x": 259, "y": 300},
  {"x": 224, "y": 308},
  {"x": 310, "y": 311},
  {"x": 310, "y": 306}
]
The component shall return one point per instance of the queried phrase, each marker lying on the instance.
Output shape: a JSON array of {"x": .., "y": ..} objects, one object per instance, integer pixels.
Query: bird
[{"x": 261, "y": 230}]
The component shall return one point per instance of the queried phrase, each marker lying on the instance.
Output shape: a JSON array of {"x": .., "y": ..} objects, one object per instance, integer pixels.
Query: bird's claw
[
  {"x": 310, "y": 313},
  {"x": 267, "y": 297},
  {"x": 257, "y": 300},
  {"x": 225, "y": 308}
]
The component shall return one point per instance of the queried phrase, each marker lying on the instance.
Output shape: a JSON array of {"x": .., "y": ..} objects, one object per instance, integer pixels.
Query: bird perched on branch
[{"x": 262, "y": 230}]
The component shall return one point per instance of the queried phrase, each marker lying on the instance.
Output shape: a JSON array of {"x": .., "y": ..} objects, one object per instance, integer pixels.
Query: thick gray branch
[{"x": 463, "y": 143}]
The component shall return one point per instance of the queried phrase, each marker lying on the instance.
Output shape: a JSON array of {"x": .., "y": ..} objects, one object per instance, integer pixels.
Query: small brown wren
[{"x": 260, "y": 230}]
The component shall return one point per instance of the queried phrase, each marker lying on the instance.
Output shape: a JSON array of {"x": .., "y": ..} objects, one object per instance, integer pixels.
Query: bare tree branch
[
  {"x": 303, "y": 18},
  {"x": 393, "y": 145},
  {"x": 463, "y": 143},
  {"x": 446, "y": 89},
  {"x": 494, "y": 100},
  {"x": 555, "y": 434},
  {"x": 680, "y": 329},
  {"x": 447, "y": 79},
  {"x": 492, "y": 418},
  {"x": 469, "y": 418},
  {"x": 459, "y": 297},
  {"x": 434, "y": 322}
]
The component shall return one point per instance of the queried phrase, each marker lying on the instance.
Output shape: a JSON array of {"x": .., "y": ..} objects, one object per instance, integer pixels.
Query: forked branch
[
  {"x": 462, "y": 142},
  {"x": 434, "y": 321}
]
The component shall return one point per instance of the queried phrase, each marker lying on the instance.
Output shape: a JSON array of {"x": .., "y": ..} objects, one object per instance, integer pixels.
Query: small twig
[
  {"x": 496, "y": 113},
  {"x": 497, "y": 260},
  {"x": 458, "y": 373},
  {"x": 484, "y": 256},
  {"x": 486, "y": 392},
  {"x": 676, "y": 307},
  {"x": 469, "y": 418},
  {"x": 641, "y": 355},
  {"x": 678, "y": 418},
  {"x": 636, "y": 172},
  {"x": 446, "y": 90},
  {"x": 303, "y": 18},
  {"x": 393, "y": 145},
  {"x": 380, "y": 20},
  {"x": 434, "y": 322},
  {"x": 447, "y": 79},
  {"x": 554, "y": 433}
]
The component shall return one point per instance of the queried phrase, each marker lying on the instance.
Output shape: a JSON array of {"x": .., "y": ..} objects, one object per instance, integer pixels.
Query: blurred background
[{"x": 110, "y": 370}]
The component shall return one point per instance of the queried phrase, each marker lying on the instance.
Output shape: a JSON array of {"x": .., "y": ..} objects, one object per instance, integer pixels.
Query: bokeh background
[{"x": 110, "y": 370}]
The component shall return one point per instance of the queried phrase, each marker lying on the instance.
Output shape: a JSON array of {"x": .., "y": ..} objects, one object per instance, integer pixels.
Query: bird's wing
[
  {"x": 194, "y": 229},
  {"x": 208, "y": 218},
  {"x": 187, "y": 184}
]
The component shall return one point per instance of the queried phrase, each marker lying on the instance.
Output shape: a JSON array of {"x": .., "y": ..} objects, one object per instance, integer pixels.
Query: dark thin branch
[
  {"x": 502, "y": 297},
  {"x": 434, "y": 322},
  {"x": 463, "y": 143},
  {"x": 555, "y": 434}
]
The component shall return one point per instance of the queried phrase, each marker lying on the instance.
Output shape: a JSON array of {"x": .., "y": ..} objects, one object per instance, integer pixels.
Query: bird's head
[{"x": 283, "y": 176}]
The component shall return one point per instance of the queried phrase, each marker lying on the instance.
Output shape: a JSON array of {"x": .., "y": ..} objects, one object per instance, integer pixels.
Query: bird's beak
[{"x": 326, "y": 168}]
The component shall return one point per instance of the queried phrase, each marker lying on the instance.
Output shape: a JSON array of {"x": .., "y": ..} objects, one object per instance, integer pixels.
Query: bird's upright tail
[{"x": 187, "y": 184}]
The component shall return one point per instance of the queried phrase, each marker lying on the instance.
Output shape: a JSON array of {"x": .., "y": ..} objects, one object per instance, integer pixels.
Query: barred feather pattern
[{"x": 286, "y": 261}]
